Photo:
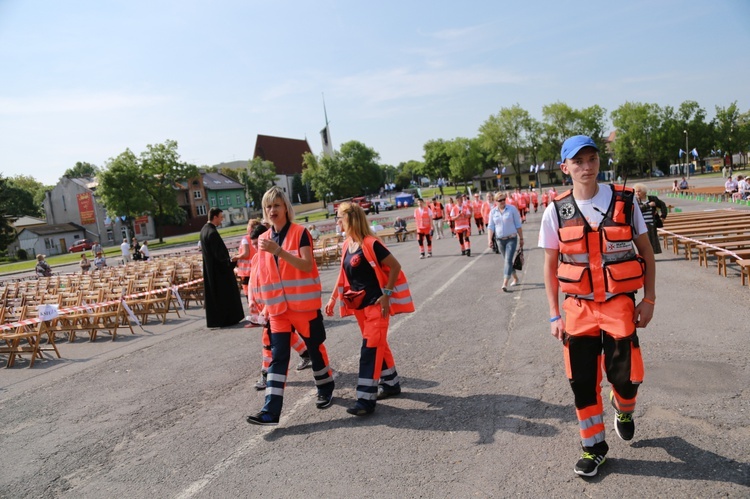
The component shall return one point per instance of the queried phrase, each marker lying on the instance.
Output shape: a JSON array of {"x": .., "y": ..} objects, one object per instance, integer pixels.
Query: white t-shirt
[
  {"x": 125, "y": 249},
  {"x": 548, "y": 237},
  {"x": 145, "y": 252}
]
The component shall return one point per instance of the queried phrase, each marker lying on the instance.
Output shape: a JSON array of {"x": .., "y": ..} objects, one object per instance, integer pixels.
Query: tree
[
  {"x": 81, "y": 170},
  {"x": 466, "y": 159},
  {"x": 120, "y": 188},
  {"x": 351, "y": 171},
  {"x": 436, "y": 159},
  {"x": 506, "y": 136},
  {"x": 728, "y": 129},
  {"x": 638, "y": 126},
  {"x": 7, "y": 232},
  {"x": 35, "y": 189},
  {"x": 161, "y": 170},
  {"x": 259, "y": 176},
  {"x": 300, "y": 192}
]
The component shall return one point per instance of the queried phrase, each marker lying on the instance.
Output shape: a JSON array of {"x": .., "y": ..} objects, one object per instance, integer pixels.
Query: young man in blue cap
[{"x": 597, "y": 253}]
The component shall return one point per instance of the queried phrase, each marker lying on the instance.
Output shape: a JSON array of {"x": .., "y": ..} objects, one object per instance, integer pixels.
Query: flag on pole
[
  {"x": 503, "y": 170},
  {"x": 682, "y": 152},
  {"x": 610, "y": 161},
  {"x": 694, "y": 152},
  {"x": 542, "y": 166}
]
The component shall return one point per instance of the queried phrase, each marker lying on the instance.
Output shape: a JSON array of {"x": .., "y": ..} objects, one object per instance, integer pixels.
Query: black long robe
[{"x": 222, "y": 295}]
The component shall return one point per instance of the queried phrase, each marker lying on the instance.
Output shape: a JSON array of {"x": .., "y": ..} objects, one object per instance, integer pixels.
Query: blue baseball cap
[{"x": 574, "y": 144}]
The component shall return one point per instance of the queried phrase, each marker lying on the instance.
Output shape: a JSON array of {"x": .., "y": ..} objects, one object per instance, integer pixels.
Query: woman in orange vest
[
  {"x": 423, "y": 217},
  {"x": 289, "y": 288},
  {"x": 437, "y": 217},
  {"x": 372, "y": 287},
  {"x": 448, "y": 209},
  {"x": 244, "y": 260},
  {"x": 297, "y": 343},
  {"x": 461, "y": 215},
  {"x": 476, "y": 208}
]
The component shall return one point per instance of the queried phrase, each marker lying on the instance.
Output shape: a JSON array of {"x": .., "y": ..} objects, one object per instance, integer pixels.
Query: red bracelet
[{"x": 652, "y": 302}]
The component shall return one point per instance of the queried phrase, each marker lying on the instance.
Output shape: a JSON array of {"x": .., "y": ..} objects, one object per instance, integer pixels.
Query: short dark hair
[
  {"x": 257, "y": 231},
  {"x": 214, "y": 212}
]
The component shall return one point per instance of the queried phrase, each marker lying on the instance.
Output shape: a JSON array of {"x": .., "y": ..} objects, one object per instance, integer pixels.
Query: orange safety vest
[
  {"x": 476, "y": 207},
  {"x": 448, "y": 210},
  {"x": 283, "y": 287},
  {"x": 423, "y": 219},
  {"x": 462, "y": 216},
  {"x": 598, "y": 264},
  {"x": 400, "y": 302},
  {"x": 244, "y": 264},
  {"x": 254, "y": 303},
  {"x": 486, "y": 208},
  {"x": 437, "y": 210}
]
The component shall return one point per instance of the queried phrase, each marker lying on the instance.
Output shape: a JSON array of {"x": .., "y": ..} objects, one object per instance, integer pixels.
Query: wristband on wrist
[
  {"x": 555, "y": 318},
  {"x": 652, "y": 302},
  {"x": 387, "y": 292}
]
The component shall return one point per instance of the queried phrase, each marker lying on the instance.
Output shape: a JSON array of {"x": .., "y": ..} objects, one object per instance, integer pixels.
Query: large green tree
[
  {"x": 728, "y": 129},
  {"x": 353, "y": 170},
  {"x": 436, "y": 159},
  {"x": 259, "y": 176},
  {"x": 466, "y": 159},
  {"x": 120, "y": 188},
  {"x": 638, "y": 128},
  {"x": 7, "y": 232},
  {"x": 505, "y": 136},
  {"x": 82, "y": 169},
  {"x": 34, "y": 188},
  {"x": 162, "y": 169}
]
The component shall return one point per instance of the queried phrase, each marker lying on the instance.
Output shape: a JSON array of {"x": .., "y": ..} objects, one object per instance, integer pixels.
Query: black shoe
[
  {"x": 324, "y": 401},
  {"x": 468, "y": 252},
  {"x": 463, "y": 252},
  {"x": 384, "y": 393},
  {"x": 358, "y": 410},
  {"x": 263, "y": 419},
  {"x": 589, "y": 464},
  {"x": 304, "y": 363},
  {"x": 624, "y": 425}
]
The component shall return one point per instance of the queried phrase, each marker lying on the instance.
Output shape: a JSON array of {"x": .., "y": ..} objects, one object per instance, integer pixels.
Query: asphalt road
[{"x": 486, "y": 410}]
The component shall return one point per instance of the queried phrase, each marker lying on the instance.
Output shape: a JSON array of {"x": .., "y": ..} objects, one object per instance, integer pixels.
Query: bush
[{"x": 22, "y": 255}]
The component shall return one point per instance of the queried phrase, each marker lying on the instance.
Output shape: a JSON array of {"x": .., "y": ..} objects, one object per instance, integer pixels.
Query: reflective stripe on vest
[
  {"x": 282, "y": 286},
  {"x": 400, "y": 302},
  {"x": 598, "y": 264},
  {"x": 244, "y": 264}
]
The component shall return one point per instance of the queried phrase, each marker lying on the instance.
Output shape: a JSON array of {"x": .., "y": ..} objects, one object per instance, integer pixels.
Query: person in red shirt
[
  {"x": 423, "y": 217},
  {"x": 476, "y": 208}
]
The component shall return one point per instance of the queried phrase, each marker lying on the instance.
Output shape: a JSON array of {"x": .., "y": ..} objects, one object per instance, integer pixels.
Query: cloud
[{"x": 77, "y": 102}]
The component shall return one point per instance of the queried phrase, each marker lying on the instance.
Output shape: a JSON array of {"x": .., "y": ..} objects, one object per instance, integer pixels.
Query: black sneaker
[
  {"x": 304, "y": 363},
  {"x": 624, "y": 425},
  {"x": 358, "y": 410},
  {"x": 384, "y": 393},
  {"x": 324, "y": 401},
  {"x": 589, "y": 464},
  {"x": 263, "y": 419},
  {"x": 468, "y": 252},
  {"x": 463, "y": 252}
]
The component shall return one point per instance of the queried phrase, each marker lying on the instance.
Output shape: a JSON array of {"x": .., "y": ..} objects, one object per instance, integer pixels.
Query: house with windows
[
  {"x": 49, "y": 239},
  {"x": 74, "y": 200},
  {"x": 228, "y": 194}
]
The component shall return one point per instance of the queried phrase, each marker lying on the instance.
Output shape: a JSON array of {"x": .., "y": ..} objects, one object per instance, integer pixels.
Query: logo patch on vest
[
  {"x": 567, "y": 211},
  {"x": 618, "y": 246}
]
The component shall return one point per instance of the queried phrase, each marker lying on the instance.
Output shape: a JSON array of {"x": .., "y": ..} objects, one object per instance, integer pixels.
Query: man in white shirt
[{"x": 125, "y": 250}]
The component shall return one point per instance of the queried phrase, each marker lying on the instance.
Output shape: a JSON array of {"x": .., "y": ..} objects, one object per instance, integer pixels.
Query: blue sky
[{"x": 84, "y": 80}]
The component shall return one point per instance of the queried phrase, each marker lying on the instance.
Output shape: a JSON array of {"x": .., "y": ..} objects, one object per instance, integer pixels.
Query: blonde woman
[
  {"x": 372, "y": 287},
  {"x": 288, "y": 287}
]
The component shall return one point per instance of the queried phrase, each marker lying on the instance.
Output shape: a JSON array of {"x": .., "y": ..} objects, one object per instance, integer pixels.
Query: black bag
[
  {"x": 518, "y": 261},
  {"x": 658, "y": 223}
]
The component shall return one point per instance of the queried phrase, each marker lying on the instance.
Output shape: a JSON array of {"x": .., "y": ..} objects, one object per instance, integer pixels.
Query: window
[
  {"x": 200, "y": 209},
  {"x": 221, "y": 201},
  {"x": 110, "y": 235},
  {"x": 212, "y": 201},
  {"x": 239, "y": 200},
  {"x": 48, "y": 243},
  {"x": 229, "y": 200},
  {"x": 197, "y": 195}
]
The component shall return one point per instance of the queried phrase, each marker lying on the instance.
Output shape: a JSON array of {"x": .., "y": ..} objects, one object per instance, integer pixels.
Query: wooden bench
[
  {"x": 705, "y": 250},
  {"x": 744, "y": 264},
  {"x": 691, "y": 244},
  {"x": 389, "y": 233},
  {"x": 725, "y": 257}
]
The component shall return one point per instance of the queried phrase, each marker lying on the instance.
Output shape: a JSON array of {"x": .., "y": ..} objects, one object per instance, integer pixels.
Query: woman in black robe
[{"x": 222, "y": 295}]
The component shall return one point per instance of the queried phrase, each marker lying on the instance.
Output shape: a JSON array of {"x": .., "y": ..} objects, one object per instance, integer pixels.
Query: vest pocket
[
  {"x": 574, "y": 279},
  {"x": 625, "y": 277},
  {"x": 572, "y": 240},
  {"x": 618, "y": 233}
]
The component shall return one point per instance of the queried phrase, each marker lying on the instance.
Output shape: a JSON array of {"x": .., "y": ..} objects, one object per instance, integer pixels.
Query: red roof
[{"x": 285, "y": 154}]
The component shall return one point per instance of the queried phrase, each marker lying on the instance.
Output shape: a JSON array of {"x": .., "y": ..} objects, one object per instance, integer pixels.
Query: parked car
[
  {"x": 657, "y": 173},
  {"x": 80, "y": 245},
  {"x": 364, "y": 203},
  {"x": 383, "y": 204}
]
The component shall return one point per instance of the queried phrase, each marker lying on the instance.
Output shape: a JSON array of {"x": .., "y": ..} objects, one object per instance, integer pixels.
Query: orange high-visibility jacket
[
  {"x": 437, "y": 210},
  {"x": 476, "y": 207},
  {"x": 448, "y": 210},
  {"x": 282, "y": 287},
  {"x": 598, "y": 264},
  {"x": 423, "y": 217},
  {"x": 400, "y": 302},
  {"x": 462, "y": 216},
  {"x": 243, "y": 264}
]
